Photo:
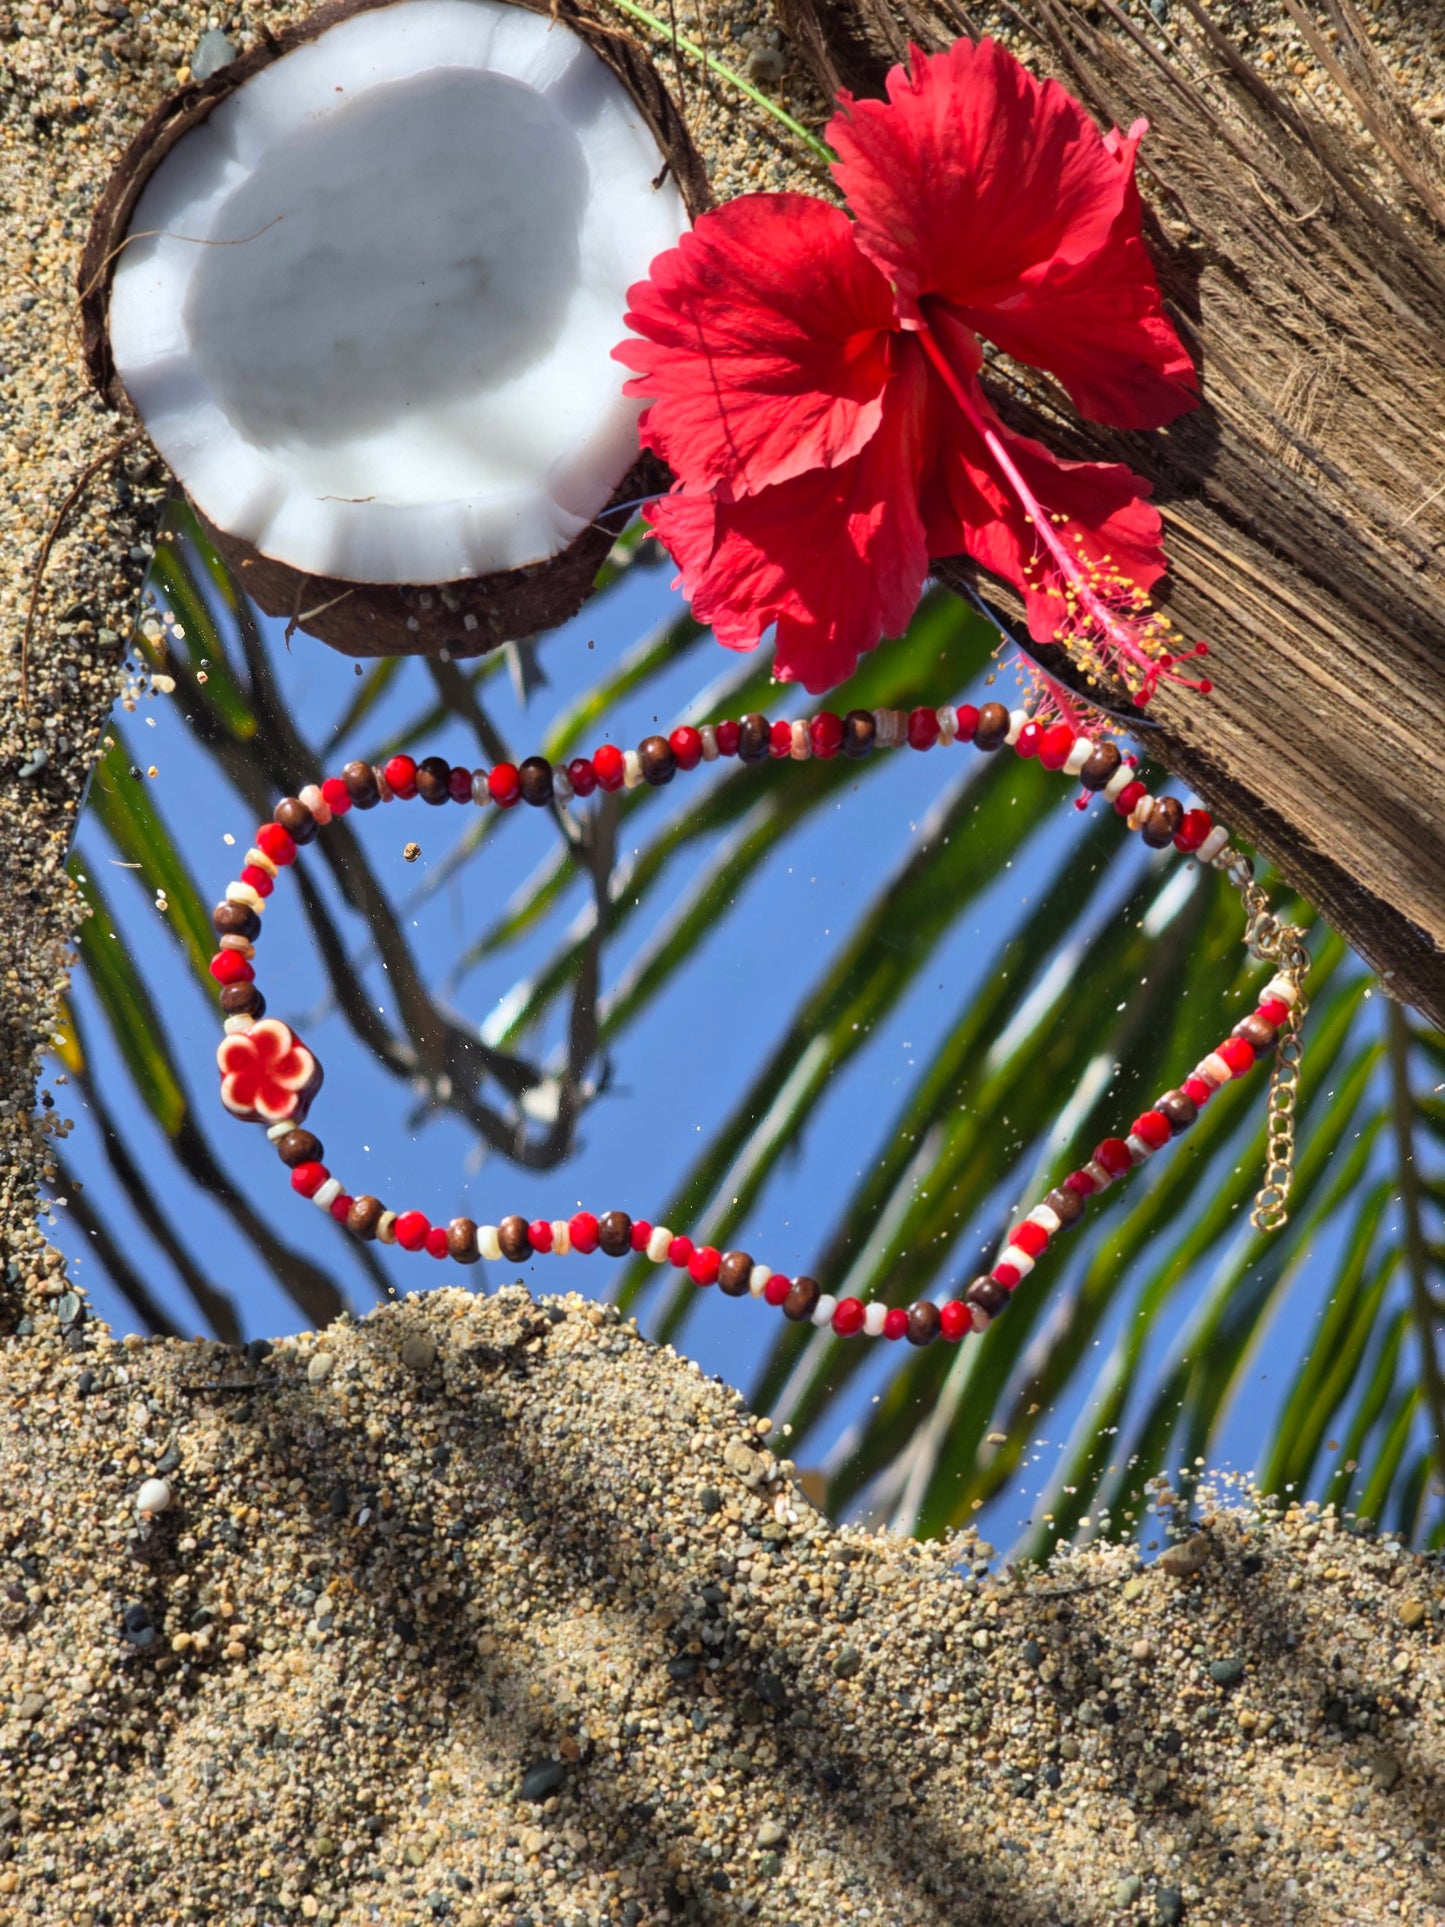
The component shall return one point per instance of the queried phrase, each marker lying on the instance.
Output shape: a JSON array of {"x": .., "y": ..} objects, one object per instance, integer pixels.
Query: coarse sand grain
[{"x": 486, "y": 1611}]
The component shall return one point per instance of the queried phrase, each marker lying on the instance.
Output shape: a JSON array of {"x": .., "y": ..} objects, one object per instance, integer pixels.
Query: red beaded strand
[{"x": 269, "y": 1076}]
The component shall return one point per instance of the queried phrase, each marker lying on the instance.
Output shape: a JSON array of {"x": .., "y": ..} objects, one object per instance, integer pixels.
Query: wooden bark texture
[{"x": 1304, "y": 503}]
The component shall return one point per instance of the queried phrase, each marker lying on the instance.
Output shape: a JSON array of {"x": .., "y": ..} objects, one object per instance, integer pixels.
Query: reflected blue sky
[{"x": 674, "y": 1074}]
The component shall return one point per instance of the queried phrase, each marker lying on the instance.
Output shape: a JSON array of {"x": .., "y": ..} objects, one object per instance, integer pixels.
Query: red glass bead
[
  {"x": 459, "y": 785},
  {"x": 1030, "y": 737},
  {"x": 680, "y": 1252},
  {"x": 582, "y": 776},
  {"x": 230, "y": 967},
  {"x": 1128, "y": 796},
  {"x": 262, "y": 884},
  {"x": 400, "y": 773},
  {"x": 776, "y": 1289},
  {"x": 411, "y": 1229},
  {"x": 895, "y": 1325},
  {"x": 641, "y": 1232},
  {"x": 609, "y": 766},
  {"x": 1237, "y": 1052},
  {"x": 340, "y": 1205},
  {"x": 922, "y": 728},
  {"x": 336, "y": 796},
  {"x": 967, "y": 722},
  {"x": 826, "y": 730},
  {"x": 1154, "y": 1128},
  {"x": 1196, "y": 1088},
  {"x": 1193, "y": 828},
  {"x": 954, "y": 1319},
  {"x": 686, "y": 746},
  {"x": 504, "y": 785},
  {"x": 780, "y": 739},
  {"x": 582, "y": 1232},
  {"x": 1115, "y": 1156},
  {"x": 1057, "y": 746},
  {"x": 848, "y": 1316},
  {"x": 704, "y": 1265},
  {"x": 436, "y": 1242},
  {"x": 1081, "y": 1184},
  {"x": 1274, "y": 1010},
  {"x": 727, "y": 738},
  {"x": 308, "y": 1178},
  {"x": 539, "y": 1235},
  {"x": 1009, "y": 1276},
  {"x": 1029, "y": 1237},
  {"x": 276, "y": 843}
]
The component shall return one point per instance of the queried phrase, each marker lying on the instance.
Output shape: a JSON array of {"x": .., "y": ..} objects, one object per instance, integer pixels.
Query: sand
[{"x": 487, "y": 1611}]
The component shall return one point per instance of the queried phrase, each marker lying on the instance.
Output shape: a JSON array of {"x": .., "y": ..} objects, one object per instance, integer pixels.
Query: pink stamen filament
[{"x": 1119, "y": 634}]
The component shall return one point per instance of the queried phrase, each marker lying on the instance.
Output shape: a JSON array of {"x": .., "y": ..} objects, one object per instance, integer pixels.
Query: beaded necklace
[{"x": 269, "y": 1076}]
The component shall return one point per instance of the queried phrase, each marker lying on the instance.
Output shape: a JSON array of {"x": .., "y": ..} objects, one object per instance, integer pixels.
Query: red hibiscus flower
[
  {"x": 812, "y": 379},
  {"x": 267, "y": 1073}
]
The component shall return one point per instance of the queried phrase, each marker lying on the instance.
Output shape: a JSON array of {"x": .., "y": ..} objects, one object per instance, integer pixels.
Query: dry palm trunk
[{"x": 1304, "y": 504}]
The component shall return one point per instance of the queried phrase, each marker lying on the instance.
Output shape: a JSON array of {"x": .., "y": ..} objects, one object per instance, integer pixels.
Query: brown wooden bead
[
  {"x": 1101, "y": 768},
  {"x": 236, "y": 920},
  {"x": 923, "y": 1323},
  {"x": 1161, "y": 826},
  {"x": 242, "y": 1000},
  {"x": 988, "y": 1294},
  {"x": 801, "y": 1299},
  {"x": 512, "y": 1237},
  {"x": 754, "y": 738},
  {"x": 360, "y": 781},
  {"x": 859, "y": 732},
  {"x": 734, "y": 1273},
  {"x": 1258, "y": 1032},
  {"x": 659, "y": 765},
  {"x": 462, "y": 1241},
  {"x": 364, "y": 1215},
  {"x": 1179, "y": 1110},
  {"x": 614, "y": 1233},
  {"x": 434, "y": 780},
  {"x": 1066, "y": 1205},
  {"x": 535, "y": 777},
  {"x": 992, "y": 726},
  {"x": 297, "y": 821},
  {"x": 299, "y": 1147}
]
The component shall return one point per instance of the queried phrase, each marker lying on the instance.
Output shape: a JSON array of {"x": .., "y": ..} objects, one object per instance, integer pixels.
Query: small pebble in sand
[
  {"x": 1181, "y": 1561},
  {"x": 154, "y": 1496},
  {"x": 213, "y": 52},
  {"x": 419, "y": 1353}
]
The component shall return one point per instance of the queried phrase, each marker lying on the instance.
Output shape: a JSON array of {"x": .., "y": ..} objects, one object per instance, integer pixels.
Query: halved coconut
[{"x": 366, "y": 317}]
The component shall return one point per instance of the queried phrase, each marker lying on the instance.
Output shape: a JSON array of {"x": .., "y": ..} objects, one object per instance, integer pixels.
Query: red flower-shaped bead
[
  {"x": 267, "y": 1073},
  {"x": 813, "y": 380}
]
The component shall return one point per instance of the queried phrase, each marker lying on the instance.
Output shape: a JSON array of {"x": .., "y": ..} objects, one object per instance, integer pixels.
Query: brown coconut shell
[{"x": 390, "y": 619}]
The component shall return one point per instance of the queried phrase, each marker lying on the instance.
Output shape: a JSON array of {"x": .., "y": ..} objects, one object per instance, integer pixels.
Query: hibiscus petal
[
  {"x": 1100, "y": 326},
  {"x": 764, "y": 345},
  {"x": 835, "y": 557},
  {"x": 1108, "y": 521},
  {"x": 980, "y": 186}
]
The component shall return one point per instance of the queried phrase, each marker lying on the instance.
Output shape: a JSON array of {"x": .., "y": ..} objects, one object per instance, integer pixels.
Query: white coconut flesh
[{"x": 398, "y": 369}]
